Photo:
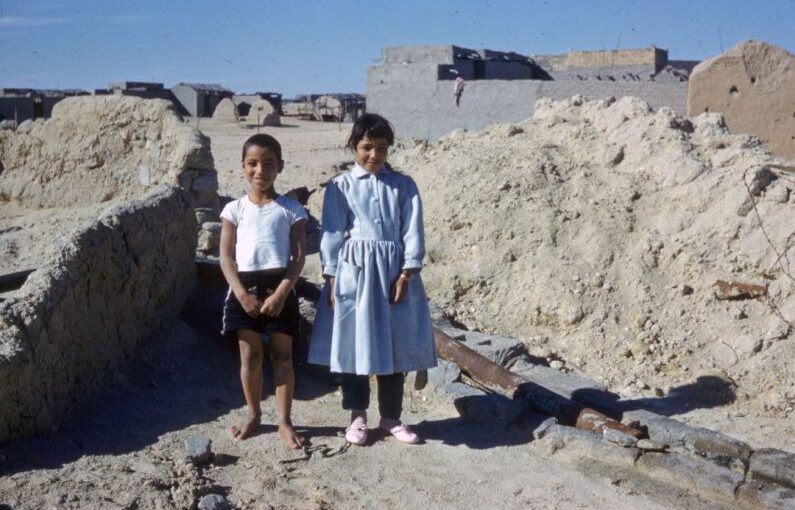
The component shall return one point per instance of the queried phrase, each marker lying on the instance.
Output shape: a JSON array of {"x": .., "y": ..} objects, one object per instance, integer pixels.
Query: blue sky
[{"x": 301, "y": 46}]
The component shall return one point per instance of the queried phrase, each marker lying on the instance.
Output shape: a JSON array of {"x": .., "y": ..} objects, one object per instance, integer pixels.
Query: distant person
[
  {"x": 458, "y": 89},
  {"x": 263, "y": 245},
  {"x": 372, "y": 315}
]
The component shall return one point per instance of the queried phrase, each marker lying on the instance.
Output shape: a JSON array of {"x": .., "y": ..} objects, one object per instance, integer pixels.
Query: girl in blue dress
[{"x": 373, "y": 316}]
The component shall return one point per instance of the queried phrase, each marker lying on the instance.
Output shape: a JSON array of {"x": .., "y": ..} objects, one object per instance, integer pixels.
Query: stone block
[
  {"x": 581, "y": 448},
  {"x": 773, "y": 465},
  {"x": 714, "y": 446},
  {"x": 757, "y": 494},
  {"x": 501, "y": 350},
  {"x": 689, "y": 473}
]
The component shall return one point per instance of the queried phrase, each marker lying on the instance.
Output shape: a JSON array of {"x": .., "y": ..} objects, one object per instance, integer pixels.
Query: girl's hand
[
  {"x": 273, "y": 305},
  {"x": 400, "y": 288},
  {"x": 250, "y": 304},
  {"x": 331, "y": 291}
]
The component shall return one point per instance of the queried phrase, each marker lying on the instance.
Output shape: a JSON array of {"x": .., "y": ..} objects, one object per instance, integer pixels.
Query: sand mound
[
  {"x": 95, "y": 149},
  {"x": 596, "y": 231}
]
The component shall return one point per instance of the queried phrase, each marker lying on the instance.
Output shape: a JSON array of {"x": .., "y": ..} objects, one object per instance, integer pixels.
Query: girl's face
[
  {"x": 371, "y": 153},
  {"x": 261, "y": 166}
]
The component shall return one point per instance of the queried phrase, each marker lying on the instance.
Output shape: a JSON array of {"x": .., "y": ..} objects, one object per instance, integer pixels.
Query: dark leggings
[{"x": 356, "y": 394}]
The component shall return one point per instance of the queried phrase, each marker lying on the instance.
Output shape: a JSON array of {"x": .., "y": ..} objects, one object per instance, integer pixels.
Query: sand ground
[{"x": 124, "y": 448}]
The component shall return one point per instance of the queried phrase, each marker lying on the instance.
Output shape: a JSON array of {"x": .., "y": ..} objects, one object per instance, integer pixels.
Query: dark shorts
[{"x": 261, "y": 284}]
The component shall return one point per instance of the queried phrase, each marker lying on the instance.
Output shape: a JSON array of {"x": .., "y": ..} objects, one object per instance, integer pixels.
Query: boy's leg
[
  {"x": 251, "y": 353},
  {"x": 281, "y": 355}
]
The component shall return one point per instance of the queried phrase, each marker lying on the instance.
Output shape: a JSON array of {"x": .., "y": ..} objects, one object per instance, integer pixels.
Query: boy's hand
[
  {"x": 273, "y": 305},
  {"x": 331, "y": 291},
  {"x": 250, "y": 304}
]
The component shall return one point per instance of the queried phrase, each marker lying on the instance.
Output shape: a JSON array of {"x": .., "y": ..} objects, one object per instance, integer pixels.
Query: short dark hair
[
  {"x": 264, "y": 141},
  {"x": 373, "y": 126}
]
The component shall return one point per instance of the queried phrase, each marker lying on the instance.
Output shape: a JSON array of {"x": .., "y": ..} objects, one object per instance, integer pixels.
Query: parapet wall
[
  {"x": 113, "y": 285},
  {"x": 421, "y": 107}
]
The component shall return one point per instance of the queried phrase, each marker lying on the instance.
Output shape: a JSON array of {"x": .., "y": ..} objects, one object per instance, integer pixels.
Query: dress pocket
[{"x": 347, "y": 281}]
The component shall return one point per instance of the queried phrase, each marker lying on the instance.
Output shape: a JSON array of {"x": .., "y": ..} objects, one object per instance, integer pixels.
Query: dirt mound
[
  {"x": 596, "y": 231},
  {"x": 96, "y": 149}
]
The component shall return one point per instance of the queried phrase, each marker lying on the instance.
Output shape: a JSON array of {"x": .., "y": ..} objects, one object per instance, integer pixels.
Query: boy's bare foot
[
  {"x": 248, "y": 427},
  {"x": 290, "y": 437}
]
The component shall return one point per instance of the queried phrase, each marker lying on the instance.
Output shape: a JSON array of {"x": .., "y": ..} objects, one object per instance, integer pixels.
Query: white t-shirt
[{"x": 263, "y": 231}]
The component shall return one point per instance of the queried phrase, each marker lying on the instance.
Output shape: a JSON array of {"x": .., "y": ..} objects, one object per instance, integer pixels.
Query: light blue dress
[{"x": 372, "y": 229}]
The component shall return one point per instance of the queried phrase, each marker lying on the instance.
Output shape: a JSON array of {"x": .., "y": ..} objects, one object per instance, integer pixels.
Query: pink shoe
[
  {"x": 399, "y": 431},
  {"x": 357, "y": 432}
]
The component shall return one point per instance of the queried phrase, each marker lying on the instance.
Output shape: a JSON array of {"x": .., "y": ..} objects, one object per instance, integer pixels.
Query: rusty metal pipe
[{"x": 504, "y": 382}]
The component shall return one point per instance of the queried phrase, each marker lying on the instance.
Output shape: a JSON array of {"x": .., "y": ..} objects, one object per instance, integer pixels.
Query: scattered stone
[
  {"x": 213, "y": 502},
  {"x": 687, "y": 290},
  {"x": 197, "y": 449}
]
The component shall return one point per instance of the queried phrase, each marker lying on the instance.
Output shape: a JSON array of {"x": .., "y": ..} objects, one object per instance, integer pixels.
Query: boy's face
[
  {"x": 371, "y": 153},
  {"x": 261, "y": 166}
]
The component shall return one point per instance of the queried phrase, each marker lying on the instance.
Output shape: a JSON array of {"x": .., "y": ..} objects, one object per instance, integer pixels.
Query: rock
[
  {"x": 499, "y": 349},
  {"x": 652, "y": 446},
  {"x": 8, "y": 124},
  {"x": 687, "y": 290},
  {"x": 197, "y": 449},
  {"x": 773, "y": 465},
  {"x": 209, "y": 236},
  {"x": 213, "y": 501},
  {"x": 618, "y": 437},
  {"x": 689, "y": 473},
  {"x": 542, "y": 429},
  {"x": 443, "y": 373}
]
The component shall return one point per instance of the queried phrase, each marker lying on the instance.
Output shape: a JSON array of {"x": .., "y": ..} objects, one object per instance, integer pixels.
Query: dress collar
[{"x": 358, "y": 171}]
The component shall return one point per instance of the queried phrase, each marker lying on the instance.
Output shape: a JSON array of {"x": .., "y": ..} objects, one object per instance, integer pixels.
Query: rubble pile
[{"x": 597, "y": 231}]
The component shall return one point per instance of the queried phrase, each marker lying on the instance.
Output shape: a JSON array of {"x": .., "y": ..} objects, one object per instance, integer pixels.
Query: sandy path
[{"x": 124, "y": 449}]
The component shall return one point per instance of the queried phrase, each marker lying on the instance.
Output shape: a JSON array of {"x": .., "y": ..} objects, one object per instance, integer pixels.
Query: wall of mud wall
[
  {"x": 114, "y": 284},
  {"x": 421, "y": 107}
]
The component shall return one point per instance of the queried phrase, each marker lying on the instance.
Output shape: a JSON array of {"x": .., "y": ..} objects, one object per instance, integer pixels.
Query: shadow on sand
[
  {"x": 190, "y": 376},
  {"x": 705, "y": 393}
]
